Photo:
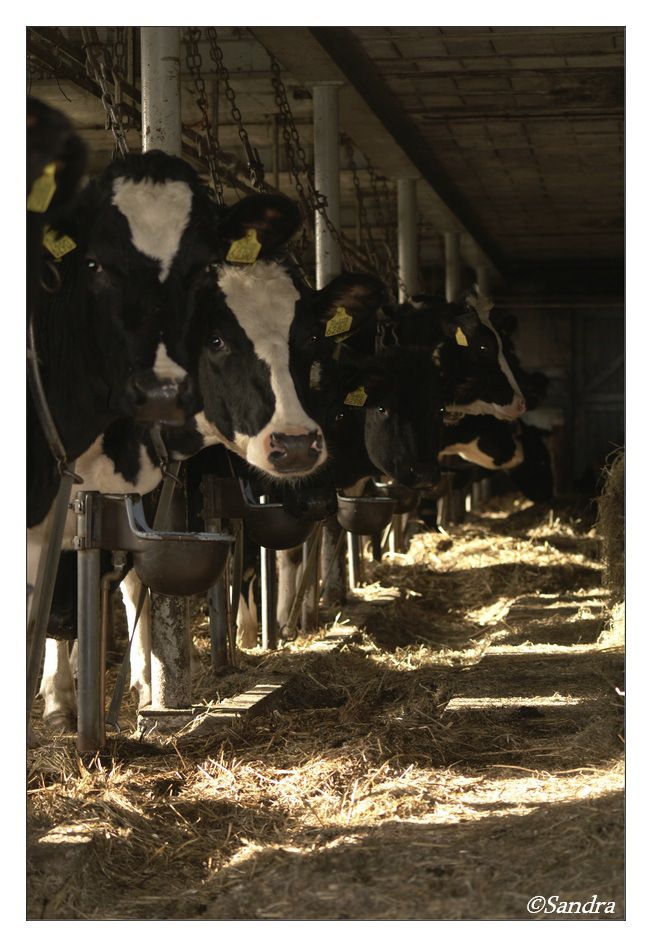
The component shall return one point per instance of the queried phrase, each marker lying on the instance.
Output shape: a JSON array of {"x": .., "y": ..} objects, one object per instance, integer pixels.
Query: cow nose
[
  {"x": 520, "y": 406},
  {"x": 295, "y": 453},
  {"x": 152, "y": 400}
]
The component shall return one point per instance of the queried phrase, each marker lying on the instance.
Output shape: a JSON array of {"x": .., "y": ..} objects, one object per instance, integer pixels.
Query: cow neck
[{"x": 69, "y": 355}]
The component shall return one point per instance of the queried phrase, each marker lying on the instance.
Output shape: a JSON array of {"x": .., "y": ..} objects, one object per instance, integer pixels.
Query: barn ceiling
[{"x": 516, "y": 134}]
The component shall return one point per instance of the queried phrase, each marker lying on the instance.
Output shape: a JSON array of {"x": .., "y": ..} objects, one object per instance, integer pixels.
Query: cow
[
  {"x": 477, "y": 365},
  {"x": 56, "y": 160},
  {"x": 381, "y": 415},
  {"x": 517, "y": 448},
  {"x": 260, "y": 332}
]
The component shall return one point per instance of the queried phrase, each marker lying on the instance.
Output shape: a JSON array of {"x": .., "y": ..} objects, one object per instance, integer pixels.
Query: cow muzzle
[
  {"x": 295, "y": 454},
  {"x": 154, "y": 400}
]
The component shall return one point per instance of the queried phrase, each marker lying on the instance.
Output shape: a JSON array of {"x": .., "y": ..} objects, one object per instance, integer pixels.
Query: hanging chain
[
  {"x": 362, "y": 210},
  {"x": 191, "y": 39},
  {"x": 100, "y": 70},
  {"x": 255, "y": 165}
]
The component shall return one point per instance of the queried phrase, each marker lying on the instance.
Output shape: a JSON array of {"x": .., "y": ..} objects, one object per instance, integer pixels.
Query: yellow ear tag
[
  {"x": 43, "y": 190},
  {"x": 460, "y": 338},
  {"x": 58, "y": 246},
  {"x": 356, "y": 398},
  {"x": 244, "y": 250},
  {"x": 339, "y": 322}
]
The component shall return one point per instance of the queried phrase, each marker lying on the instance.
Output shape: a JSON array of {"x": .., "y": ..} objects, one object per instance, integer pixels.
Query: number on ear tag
[
  {"x": 460, "y": 338},
  {"x": 43, "y": 190},
  {"x": 357, "y": 398},
  {"x": 58, "y": 246},
  {"x": 339, "y": 322},
  {"x": 244, "y": 250}
]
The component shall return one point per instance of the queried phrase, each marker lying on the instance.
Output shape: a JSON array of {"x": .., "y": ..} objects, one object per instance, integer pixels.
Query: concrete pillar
[
  {"x": 325, "y": 102},
  {"x": 483, "y": 280},
  {"x": 408, "y": 268},
  {"x": 161, "y": 99},
  {"x": 171, "y": 682},
  {"x": 453, "y": 266}
]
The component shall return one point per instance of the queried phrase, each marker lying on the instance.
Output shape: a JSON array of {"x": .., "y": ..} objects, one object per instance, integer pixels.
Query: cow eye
[
  {"x": 381, "y": 410},
  {"x": 483, "y": 348},
  {"x": 213, "y": 267},
  {"x": 339, "y": 417},
  {"x": 93, "y": 265},
  {"x": 216, "y": 342}
]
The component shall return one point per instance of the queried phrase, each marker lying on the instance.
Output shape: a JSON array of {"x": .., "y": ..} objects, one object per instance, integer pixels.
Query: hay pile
[
  {"x": 611, "y": 525},
  {"x": 459, "y": 755}
]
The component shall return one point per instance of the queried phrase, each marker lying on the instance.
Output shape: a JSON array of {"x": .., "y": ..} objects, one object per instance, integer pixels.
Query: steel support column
[
  {"x": 453, "y": 266},
  {"x": 408, "y": 269},
  {"x": 325, "y": 102},
  {"x": 161, "y": 99}
]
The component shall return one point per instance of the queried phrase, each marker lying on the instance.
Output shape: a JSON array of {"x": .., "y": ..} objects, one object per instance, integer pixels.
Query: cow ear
[
  {"x": 273, "y": 219},
  {"x": 459, "y": 322},
  {"x": 348, "y": 302},
  {"x": 366, "y": 383}
]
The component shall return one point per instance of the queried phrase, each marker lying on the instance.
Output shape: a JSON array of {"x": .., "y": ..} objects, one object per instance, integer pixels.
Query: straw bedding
[{"x": 458, "y": 755}]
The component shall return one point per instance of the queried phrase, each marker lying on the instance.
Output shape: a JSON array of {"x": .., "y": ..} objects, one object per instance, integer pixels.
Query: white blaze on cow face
[
  {"x": 157, "y": 214},
  {"x": 165, "y": 368},
  {"x": 517, "y": 406},
  {"x": 262, "y": 298}
]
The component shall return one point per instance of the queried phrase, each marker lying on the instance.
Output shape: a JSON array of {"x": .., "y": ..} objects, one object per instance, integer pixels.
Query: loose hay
[
  {"x": 451, "y": 761},
  {"x": 611, "y": 525}
]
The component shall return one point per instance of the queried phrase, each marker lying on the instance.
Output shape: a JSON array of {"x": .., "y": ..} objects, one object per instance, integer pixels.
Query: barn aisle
[{"x": 458, "y": 753}]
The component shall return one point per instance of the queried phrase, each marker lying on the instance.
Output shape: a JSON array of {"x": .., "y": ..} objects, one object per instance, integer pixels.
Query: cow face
[
  {"x": 403, "y": 415},
  {"x": 143, "y": 233},
  {"x": 478, "y": 375}
]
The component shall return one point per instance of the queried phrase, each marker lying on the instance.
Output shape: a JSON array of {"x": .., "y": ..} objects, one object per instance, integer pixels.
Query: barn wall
[{"x": 582, "y": 352}]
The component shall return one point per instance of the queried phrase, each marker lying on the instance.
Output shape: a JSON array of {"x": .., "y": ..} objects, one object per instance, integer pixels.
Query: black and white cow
[
  {"x": 477, "y": 364},
  {"x": 259, "y": 335},
  {"x": 396, "y": 431},
  {"x": 517, "y": 448},
  {"x": 56, "y": 159}
]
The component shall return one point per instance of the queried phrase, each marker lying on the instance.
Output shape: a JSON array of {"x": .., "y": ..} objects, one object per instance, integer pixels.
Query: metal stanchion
[{"x": 90, "y": 650}]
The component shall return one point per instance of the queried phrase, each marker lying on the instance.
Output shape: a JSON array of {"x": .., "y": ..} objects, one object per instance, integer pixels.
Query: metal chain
[
  {"x": 191, "y": 39},
  {"x": 100, "y": 71},
  {"x": 362, "y": 210},
  {"x": 256, "y": 168}
]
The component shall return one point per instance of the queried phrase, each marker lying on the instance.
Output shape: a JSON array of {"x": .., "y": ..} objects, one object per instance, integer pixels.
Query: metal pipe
[
  {"x": 161, "y": 88},
  {"x": 90, "y": 669},
  {"x": 218, "y": 615},
  {"x": 325, "y": 102},
  {"x": 268, "y": 598},
  {"x": 408, "y": 262},
  {"x": 353, "y": 557},
  {"x": 275, "y": 151},
  {"x": 453, "y": 266}
]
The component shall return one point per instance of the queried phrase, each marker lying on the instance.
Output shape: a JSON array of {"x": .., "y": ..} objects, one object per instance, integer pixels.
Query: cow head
[
  {"x": 144, "y": 232},
  {"x": 249, "y": 302},
  {"x": 475, "y": 362},
  {"x": 401, "y": 395}
]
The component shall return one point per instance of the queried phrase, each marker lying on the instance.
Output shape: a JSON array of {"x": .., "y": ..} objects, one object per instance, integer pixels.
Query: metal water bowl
[
  {"x": 364, "y": 516},
  {"x": 172, "y": 563},
  {"x": 407, "y": 499}
]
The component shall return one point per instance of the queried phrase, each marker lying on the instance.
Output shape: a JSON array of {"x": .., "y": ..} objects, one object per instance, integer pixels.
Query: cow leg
[
  {"x": 335, "y": 579},
  {"x": 247, "y": 625},
  {"x": 140, "y": 653},
  {"x": 58, "y": 687}
]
